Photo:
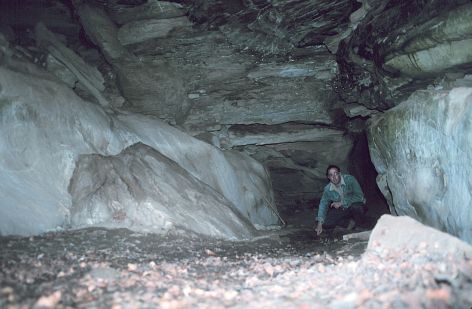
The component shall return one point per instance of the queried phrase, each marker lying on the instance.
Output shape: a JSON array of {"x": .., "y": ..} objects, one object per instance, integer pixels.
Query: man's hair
[{"x": 332, "y": 166}]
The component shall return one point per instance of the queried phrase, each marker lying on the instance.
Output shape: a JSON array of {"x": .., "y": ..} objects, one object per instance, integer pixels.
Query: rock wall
[
  {"x": 45, "y": 127},
  {"x": 258, "y": 77},
  {"x": 422, "y": 152},
  {"x": 399, "y": 47}
]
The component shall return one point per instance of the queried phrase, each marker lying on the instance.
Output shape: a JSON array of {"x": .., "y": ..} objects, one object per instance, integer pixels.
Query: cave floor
[{"x": 288, "y": 268}]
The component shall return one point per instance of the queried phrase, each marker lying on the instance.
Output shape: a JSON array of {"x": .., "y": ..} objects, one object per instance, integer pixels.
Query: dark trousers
[{"x": 341, "y": 216}]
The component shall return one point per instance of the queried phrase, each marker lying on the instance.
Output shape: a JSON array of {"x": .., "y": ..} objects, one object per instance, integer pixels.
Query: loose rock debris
[{"x": 100, "y": 268}]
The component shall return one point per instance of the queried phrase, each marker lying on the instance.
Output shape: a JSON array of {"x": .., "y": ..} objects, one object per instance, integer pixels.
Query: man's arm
[{"x": 322, "y": 210}]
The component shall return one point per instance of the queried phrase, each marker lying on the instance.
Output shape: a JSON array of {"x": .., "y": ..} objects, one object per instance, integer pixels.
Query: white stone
[
  {"x": 353, "y": 110},
  {"x": 413, "y": 236}
]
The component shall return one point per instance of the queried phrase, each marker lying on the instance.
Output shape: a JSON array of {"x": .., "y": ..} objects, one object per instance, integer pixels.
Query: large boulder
[
  {"x": 142, "y": 189},
  {"x": 422, "y": 152}
]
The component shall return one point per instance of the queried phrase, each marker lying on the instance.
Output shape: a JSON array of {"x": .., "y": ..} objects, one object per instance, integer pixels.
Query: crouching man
[{"x": 342, "y": 203}]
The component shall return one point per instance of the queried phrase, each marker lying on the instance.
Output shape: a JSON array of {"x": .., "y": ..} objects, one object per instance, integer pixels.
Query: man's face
[{"x": 334, "y": 176}]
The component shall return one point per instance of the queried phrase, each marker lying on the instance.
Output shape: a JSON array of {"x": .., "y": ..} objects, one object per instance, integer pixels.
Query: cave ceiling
[{"x": 363, "y": 35}]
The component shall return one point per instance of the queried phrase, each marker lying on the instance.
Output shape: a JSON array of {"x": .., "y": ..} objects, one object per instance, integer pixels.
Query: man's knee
[
  {"x": 358, "y": 208},
  {"x": 357, "y": 211},
  {"x": 336, "y": 217}
]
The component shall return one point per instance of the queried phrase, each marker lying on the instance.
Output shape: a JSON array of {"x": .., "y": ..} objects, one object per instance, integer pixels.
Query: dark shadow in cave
[{"x": 363, "y": 169}]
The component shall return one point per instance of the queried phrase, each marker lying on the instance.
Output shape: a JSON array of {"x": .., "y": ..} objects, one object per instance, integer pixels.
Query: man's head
[{"x": 333, "y": 173}]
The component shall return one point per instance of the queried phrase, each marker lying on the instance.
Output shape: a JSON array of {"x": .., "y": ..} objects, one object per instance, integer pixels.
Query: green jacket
[{"x": 352, "y": 194}]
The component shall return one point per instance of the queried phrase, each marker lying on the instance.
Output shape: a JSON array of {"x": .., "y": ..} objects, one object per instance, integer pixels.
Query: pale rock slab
[
  {"x": 422, "y": 152},
  {"x": 278, "y": 134},
  {"x": 151, "y": 9},
  {"x": 89, "y": 76},
  {"x": 142, "y": 30},
  {"x": 434, "y": 47}
]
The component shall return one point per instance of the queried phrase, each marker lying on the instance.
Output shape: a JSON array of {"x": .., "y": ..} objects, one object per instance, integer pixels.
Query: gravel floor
[{"x": 290, "y": 268}]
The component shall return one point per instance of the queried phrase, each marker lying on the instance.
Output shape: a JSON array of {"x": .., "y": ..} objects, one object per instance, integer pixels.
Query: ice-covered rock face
[
  {"x": 422, "y": 151},
  {"x": 44, "y": 126},
  {"x": 44, "y": 129}
]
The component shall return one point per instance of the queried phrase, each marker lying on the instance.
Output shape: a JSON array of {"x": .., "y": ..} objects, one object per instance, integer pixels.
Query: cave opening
[{"x": 173, "y": 153}]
